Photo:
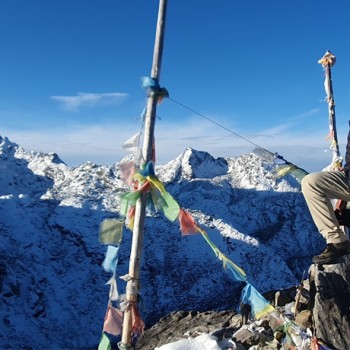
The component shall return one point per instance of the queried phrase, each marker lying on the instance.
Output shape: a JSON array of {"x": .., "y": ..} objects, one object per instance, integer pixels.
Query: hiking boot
[{"x": 332, "y": 252}]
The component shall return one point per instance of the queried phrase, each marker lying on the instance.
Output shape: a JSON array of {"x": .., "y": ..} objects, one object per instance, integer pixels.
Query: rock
[
  {"x": 323, "y": 313},
  {"x": 330, "y": 302},
  {"x": 223, "y": 326},
  {"x": 182, "y": 324},
  {"x": 303, "y": 319}
]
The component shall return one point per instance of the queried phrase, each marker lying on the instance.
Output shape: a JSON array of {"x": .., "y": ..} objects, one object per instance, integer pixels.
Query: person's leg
[{"x": 319, "y": 189}]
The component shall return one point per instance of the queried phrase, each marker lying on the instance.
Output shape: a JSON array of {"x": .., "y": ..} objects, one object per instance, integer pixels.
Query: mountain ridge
[{"x": 51, "y": 259}]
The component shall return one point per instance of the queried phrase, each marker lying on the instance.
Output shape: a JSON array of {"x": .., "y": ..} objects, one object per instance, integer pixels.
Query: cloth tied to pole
[
  {"x": 328, "y": 58},
  {"x": 153, "y": 88}
]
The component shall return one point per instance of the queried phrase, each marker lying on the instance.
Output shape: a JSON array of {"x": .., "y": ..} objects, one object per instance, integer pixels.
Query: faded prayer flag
[
  {"x": 113, "y": 321},
  {"x": 110, "y": 262},
  {"x": 105, "y": 344},
  {"x": 111, "y": 231}
]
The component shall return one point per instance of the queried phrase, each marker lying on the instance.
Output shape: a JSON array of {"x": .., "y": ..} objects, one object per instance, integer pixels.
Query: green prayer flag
[
  {"x": 111, "y": 231},
  {"x": 128, "y": 199},
  {"x": 299, "y": 174},
  {"x": 105, "y": 344},
  {"x": 171, "y": 208}
]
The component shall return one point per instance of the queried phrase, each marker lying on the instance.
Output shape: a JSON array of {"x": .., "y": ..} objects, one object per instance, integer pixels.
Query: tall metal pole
[
  {"x": 133, "y": 285},
  {"x": 328, "y": 61}
]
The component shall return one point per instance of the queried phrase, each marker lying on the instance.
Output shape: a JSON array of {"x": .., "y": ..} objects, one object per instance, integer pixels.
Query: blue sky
[{"x": 70, "y": 76}]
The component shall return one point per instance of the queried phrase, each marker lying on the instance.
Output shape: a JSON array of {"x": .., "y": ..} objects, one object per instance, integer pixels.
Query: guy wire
[{"x": 216, "y": 123}]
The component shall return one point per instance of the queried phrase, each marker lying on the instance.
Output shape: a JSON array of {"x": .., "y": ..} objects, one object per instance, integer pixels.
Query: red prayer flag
[
  {"x": 138, "y": 325},
  {"x": 113, "y": 321},
  {"x": 187, "y": 224}
]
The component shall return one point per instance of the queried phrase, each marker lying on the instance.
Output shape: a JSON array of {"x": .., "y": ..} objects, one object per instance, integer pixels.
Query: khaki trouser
[{"x": 319, "y": 189}]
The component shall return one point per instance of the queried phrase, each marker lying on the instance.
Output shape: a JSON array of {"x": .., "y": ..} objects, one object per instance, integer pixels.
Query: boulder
[{"x": 330, "y": 303}]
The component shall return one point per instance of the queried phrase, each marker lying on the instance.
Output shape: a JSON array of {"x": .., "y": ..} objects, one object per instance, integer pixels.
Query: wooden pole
[
  {"x": 133, "y": 284},
  {"x": 328, "y": 61}
]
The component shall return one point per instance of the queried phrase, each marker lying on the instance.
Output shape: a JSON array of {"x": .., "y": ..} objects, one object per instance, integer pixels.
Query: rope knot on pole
[
  {"x": 123, "y": 346},
  {"x": 132, "y": 287},
  {"x": 153, "y": 88}
]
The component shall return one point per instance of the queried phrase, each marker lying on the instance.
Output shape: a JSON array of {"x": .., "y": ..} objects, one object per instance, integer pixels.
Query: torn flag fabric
[
  {"x": 127, "y": 170},
  {"x": 132, "y": 144},
  {"x": 138, "y": 325},
  {"x": 113, "y": 290}
]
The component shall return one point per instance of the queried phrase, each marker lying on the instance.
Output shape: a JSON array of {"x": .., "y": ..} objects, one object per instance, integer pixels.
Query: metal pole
[{"x": 133, "y": 285}]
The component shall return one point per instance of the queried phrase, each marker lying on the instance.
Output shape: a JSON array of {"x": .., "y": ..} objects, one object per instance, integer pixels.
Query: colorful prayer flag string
[
  {"x": 163, "y": 201},
  {"x": 283, "y": 167},
  {"x": 147, "y": 182}
]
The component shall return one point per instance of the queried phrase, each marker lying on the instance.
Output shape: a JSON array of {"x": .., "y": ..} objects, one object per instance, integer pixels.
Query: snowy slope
[{"x": 52, "y": 284}]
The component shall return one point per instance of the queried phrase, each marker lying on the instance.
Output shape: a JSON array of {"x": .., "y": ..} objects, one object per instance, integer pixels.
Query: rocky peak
[
  {"x": 7, "y": 148},
  {"x": 192, "y": 164},
  {"x": 49, "y": 220},
  {"x": 198, "y": 164}
]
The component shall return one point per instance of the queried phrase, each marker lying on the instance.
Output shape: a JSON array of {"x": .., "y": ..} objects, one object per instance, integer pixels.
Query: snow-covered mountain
[{"x": 52, "y": 285}]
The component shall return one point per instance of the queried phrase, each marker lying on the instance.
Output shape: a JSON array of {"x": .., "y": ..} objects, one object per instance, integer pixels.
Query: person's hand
[{"x": 340, "y": 205}]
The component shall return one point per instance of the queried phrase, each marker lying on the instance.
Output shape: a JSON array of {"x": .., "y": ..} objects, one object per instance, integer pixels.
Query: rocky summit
[{"x": 53, "y": 291}]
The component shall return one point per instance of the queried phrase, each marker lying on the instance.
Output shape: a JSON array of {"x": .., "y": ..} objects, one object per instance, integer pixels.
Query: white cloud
[
  {"x": 306, "y": 114},
  {"x": 78, "y": 143},
  {"x": 102, "y": 144},
  {"x": 83, "y": 99}
]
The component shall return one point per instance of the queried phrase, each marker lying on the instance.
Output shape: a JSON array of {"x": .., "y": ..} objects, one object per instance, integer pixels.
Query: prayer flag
[
  {"x": 171, "y": 208},
  {"x": 132, "y": 144},
  {"x": 167, "y": 203},
  {"x": 110, "y": 262},
  {"x": 113, "y": 321},
  {"x": 131, "y": 218},
  {"x": 237, "y": 272},
  {"x": 138, "y": 325},
  {"x": 148, "y": 170},
  {"x": 113, "y": 290},
  {"x": 128, "y": 199},
  {"x": 187, "y": 224},
  {"x": 105, "y": 344},
  {"x": 127, "y": 170},
  {"x": 111, "y": 231},
  {"x": 260, "y": 306}
]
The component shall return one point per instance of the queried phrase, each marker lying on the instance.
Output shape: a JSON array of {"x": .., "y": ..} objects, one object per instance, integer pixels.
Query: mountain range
[{"x": 53, "y": 290}]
